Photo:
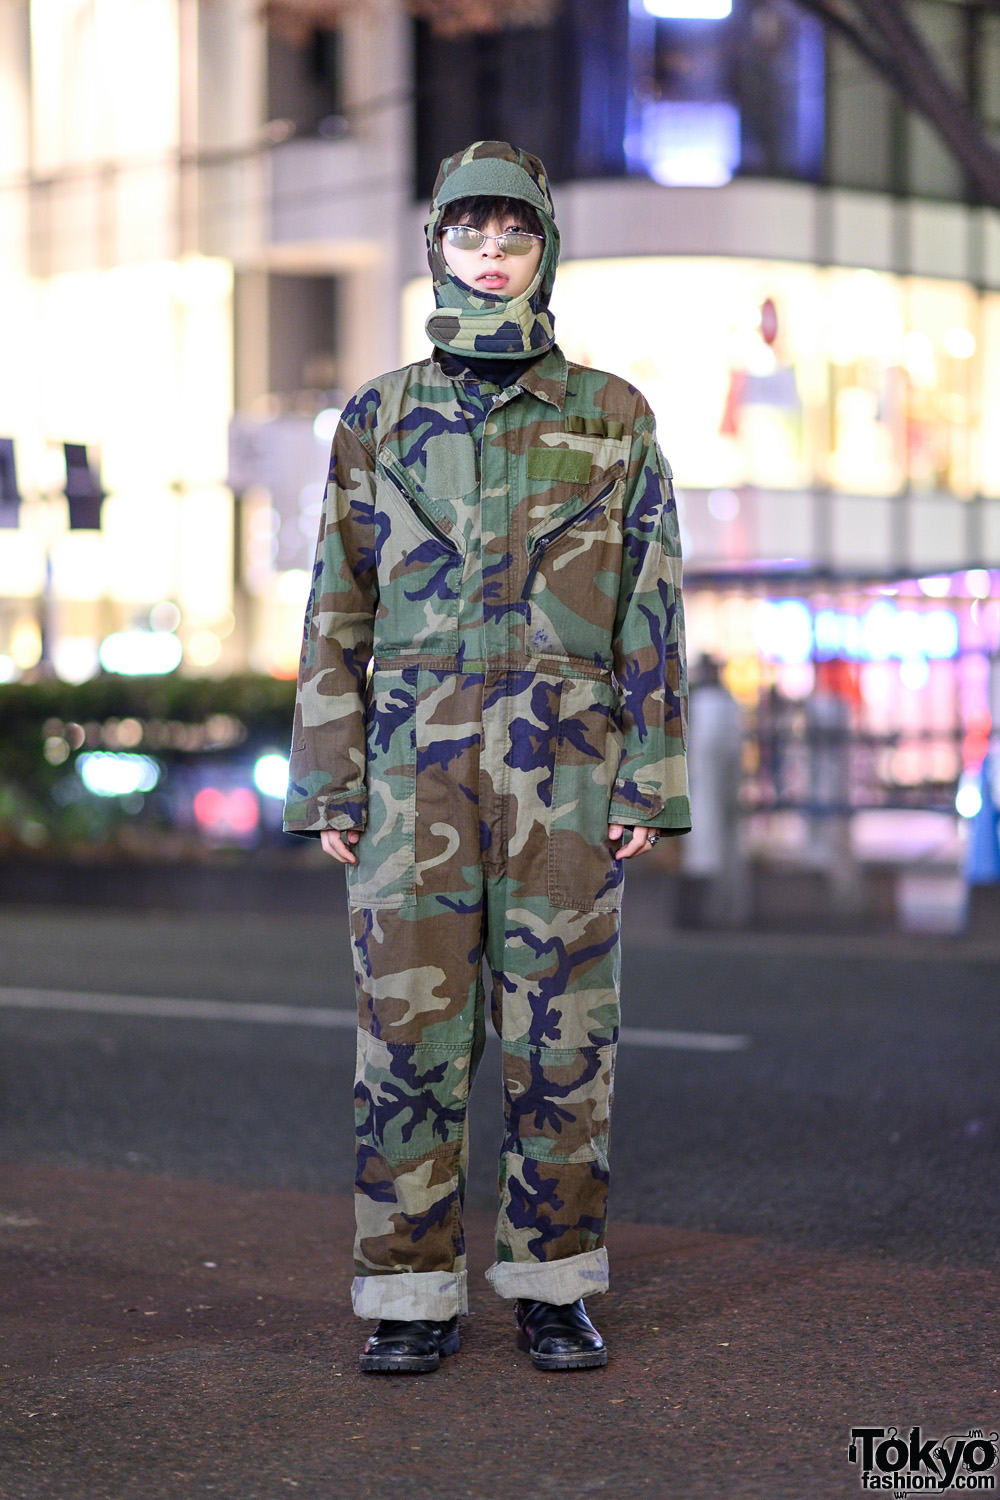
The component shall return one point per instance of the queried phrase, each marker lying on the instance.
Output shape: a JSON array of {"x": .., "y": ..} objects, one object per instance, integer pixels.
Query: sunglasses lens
[
  {"x": 464, "y": 237},
  {"x": 515, "y": 243}
]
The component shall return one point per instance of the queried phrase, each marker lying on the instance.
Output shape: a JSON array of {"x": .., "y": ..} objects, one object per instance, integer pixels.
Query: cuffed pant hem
[
  {"x": 557, "y": 1281},
  {"x": 406, "y": 1295}
]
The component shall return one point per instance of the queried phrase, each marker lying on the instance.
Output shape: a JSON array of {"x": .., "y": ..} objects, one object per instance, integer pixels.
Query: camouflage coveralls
[{"x": 492, "y": 673}]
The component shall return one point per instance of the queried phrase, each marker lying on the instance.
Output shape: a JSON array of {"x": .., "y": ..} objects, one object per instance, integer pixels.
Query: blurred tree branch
[{"x": 885, "y": 34}]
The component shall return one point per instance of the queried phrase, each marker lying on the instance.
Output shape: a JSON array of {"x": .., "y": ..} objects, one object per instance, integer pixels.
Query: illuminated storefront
[
  {"x": 904, "y": 667},
  {"x": 117, "y": 283},
  {"x": 134, "y": 363}
]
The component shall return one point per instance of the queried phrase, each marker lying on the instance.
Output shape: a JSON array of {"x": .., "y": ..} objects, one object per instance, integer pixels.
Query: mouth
[{"x": 492, "y": 280}]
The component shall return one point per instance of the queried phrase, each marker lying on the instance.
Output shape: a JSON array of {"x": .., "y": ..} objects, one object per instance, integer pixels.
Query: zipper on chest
[
  {"x": 536, "y": 551},
  {"x": 424, "y": 519}
]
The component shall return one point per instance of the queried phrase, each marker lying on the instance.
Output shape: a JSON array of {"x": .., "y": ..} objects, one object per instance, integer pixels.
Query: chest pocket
[
  {"x": 419, "y": 556},
  {"x": 574, "y": 557}
]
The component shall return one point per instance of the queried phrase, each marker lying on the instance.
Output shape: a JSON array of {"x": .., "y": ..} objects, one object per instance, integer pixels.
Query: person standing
[
  {"x": 490, "y": 720},
  {"x": 712, "y": 857}
]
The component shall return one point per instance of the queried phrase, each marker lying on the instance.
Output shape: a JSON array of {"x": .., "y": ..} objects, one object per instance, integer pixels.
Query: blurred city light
[
  {"x": 107, "y": 773},
  {"x": 914, "y": 672},
  {"x": 325, "y": 424},
  {"x": 976, "y": 742},
  {"x": 204, "y": 648},
  {"x": 935, "y": 588},
  {"x": 293, "y": 587},
  {"x": 26, "y": 644},
  {"x": 969, "y": 798},
  {"x": 688, "y": 10},
  {"x": 724, "y": 505},
  {"x": 689, "y": 143},
  {"x": 960, "y": 343},
  {"x": 918, "y": 356},
  {"x": 164, "y": 616},
  {"x": 134, "y": 653},
  {"x": 978, "y": 583},
  {"x": 56, "y": 750},
  {"x": 270, "y": 775},
  {"x": 783, "y": 629},
  {"x": 75, "y": 658},
  {"x": 938, "y": 635},
  {"x": 884, "y": 632},
  {"x": 226, "y": 814}
]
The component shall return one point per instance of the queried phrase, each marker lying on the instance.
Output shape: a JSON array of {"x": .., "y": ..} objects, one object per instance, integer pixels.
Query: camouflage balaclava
[{"x": 484, "y": 324}]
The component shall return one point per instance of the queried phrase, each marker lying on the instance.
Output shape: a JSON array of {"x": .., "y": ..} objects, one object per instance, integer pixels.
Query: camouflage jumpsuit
[{"x": 492, "y": 672}]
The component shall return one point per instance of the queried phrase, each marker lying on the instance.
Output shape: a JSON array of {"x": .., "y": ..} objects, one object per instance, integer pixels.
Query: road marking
[
  {"x": 690, "y": 1041},
  {"x": 684, "y": 1041},
  {"x": 259, "y": 1014},
  {"x": 177, "y": 1010}
]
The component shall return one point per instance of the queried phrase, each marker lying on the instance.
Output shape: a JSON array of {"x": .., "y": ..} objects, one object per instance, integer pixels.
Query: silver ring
[{"x": 653, "y": 837}]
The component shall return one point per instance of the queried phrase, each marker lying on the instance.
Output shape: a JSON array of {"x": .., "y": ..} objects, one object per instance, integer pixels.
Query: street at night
[{"x": 804, "y": 1220}]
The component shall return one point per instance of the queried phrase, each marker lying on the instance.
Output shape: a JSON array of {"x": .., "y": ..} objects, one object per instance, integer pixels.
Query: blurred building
[
  {"x": 202, "y": 256},
  {"x": 190, "y": 231}
]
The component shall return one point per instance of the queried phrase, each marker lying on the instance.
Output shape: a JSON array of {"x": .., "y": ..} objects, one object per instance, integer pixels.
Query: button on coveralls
[{"x": 492, "y": 672}]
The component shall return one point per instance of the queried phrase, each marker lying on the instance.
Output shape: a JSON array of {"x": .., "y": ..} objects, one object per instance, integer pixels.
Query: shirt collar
[{"x": 547, "y": 377}]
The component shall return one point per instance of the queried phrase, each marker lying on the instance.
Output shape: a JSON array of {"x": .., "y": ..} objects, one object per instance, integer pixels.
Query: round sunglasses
[{"x": 510, "y": 242}]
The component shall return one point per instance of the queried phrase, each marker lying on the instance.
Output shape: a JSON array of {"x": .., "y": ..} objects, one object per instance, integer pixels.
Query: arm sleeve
[
  {"x": 327, "y": 770},
  {"x": 651, "y": 789}
]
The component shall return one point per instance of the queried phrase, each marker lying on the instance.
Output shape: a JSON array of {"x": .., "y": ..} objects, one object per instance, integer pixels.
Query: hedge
[{"x": 41, "y": 802}]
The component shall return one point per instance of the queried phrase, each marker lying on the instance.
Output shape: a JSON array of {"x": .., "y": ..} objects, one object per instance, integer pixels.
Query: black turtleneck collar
[{"x": 501, "y": 372}]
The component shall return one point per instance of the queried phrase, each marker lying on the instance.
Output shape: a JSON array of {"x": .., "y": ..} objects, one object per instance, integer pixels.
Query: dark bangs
[{"x": 478, "y": 212}]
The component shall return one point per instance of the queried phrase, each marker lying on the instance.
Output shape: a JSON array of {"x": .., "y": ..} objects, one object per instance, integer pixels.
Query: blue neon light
[{"x": 785, "y": 630}]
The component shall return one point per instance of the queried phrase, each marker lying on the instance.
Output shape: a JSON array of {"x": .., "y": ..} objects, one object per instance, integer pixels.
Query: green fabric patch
[{"x": 570, "y": 464}]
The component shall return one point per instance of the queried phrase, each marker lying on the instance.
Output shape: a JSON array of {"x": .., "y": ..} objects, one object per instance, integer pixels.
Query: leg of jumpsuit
[
  {"x": 554, "y": 959},
  {"x": 416, "y": 924},
  {"x": 553, "y": 900}
]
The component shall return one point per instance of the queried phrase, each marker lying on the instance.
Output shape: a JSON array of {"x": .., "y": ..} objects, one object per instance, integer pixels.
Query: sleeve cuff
[
  {"x": 638, "y": 811},
  {"x": 315, "y": 815}
]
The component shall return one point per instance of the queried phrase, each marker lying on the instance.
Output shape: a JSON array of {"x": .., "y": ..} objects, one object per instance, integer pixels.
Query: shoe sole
[
  {"x": 569, "y": 1361},
  {"x": 591, "y": 1360},
  {"x": 408, "y": 1364}
]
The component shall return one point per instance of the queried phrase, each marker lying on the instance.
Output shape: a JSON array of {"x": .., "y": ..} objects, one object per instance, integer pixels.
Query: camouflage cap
[{"x": 486, "y": 324}]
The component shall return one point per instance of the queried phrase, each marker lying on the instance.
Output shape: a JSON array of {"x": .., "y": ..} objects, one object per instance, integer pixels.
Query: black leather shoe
[
  {"x": 411, "y": 1347},
  {"x": 559, "y": 1338}
]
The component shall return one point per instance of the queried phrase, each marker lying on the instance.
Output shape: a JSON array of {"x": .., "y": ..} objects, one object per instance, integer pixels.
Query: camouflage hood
[{"x": 484, "y": 324}]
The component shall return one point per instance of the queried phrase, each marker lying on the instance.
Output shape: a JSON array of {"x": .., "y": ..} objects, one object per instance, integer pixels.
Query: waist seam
[{"x": 546, "y": 666}]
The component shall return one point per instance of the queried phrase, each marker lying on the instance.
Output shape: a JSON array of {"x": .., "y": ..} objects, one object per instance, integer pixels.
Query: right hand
[{"x": 337, "y": 844}]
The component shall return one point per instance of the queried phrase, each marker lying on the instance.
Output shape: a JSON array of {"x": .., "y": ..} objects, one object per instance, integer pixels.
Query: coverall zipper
[
  {"x": 537, "y": 549},
  {"x": 422, "y": 516}
]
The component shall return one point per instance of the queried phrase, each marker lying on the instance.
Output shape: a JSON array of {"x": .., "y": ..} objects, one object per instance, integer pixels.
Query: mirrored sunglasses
[{"x": 511, "y": 242}]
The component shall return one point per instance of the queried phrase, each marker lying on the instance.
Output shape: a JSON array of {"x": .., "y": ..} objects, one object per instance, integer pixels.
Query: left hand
[{"x": 639, "y": 843}]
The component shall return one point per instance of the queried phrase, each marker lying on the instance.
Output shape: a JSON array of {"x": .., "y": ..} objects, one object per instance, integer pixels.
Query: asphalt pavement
[{"x": 805, "y": 1232}]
